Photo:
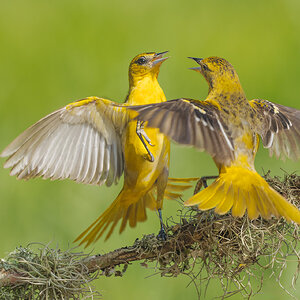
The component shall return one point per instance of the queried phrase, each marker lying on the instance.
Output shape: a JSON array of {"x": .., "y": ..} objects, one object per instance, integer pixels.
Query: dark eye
[{"x": 142, "y": 60}]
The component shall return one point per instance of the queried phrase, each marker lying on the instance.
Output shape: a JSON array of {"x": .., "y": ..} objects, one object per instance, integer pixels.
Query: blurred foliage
[{"x": 53, "y": 52}]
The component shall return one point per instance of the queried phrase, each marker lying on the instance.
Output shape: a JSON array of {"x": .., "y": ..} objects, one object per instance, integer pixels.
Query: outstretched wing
[
  {"x": 279, "y": 128},
  {"x": 190, "y": 122},
  {"x": 81, "y": 141}
]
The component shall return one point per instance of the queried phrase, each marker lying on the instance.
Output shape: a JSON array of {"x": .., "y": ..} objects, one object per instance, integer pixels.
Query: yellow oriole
[
  {"x": 228, "y": 127},
  {"x": 93, "y": 141}
]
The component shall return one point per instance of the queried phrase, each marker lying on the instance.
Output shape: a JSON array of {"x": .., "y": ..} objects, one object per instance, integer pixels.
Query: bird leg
[
  {"x": 203, "y": 182},
  {"x": 162, "y": 235},
  {"x": 143, "y": 135}
]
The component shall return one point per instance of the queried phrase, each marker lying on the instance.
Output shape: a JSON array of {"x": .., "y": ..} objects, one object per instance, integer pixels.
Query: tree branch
[{"x": 222, "y": 245}]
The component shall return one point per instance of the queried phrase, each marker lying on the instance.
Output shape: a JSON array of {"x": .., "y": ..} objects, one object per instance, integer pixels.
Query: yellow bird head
[
  {"x": 216, "y": 71},
  {"x": 146, "y": 64}
]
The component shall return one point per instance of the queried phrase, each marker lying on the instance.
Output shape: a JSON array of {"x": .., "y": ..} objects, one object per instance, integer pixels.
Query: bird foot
[
  {"x": 143, "y": 135},
  {"x": 162, "y": 235}
]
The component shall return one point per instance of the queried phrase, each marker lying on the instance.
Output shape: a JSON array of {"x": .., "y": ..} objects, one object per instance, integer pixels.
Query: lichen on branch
[{"x": 201, "y": 245}]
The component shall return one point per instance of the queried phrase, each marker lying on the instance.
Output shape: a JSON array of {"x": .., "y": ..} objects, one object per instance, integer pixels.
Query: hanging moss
[{"x": 201, "y": 245}]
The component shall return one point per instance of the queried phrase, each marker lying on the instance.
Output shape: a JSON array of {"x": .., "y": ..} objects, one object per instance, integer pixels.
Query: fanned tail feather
[
  {"x": 240, "y": 189},
  {"x": 130, "y": 209},
  {"x": 183, "y": 180}
]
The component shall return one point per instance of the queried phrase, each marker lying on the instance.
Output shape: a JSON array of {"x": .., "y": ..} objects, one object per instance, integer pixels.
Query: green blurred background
[{"x": 54, "y": 52}]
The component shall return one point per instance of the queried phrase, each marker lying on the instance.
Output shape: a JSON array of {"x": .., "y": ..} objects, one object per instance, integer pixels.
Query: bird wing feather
[
  {"x": 190, "y": 122},
  {"x": 81, "y": 141},
  {"x": 279, "y": 128}
]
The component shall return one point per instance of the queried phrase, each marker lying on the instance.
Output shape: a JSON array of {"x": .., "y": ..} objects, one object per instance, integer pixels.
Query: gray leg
[
  {"x": 161, "y": 184},
  {"x": 142, "y": 135},
  {"x": 162, "y": 235}
]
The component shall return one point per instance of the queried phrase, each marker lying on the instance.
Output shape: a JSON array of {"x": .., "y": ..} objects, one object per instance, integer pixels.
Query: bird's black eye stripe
[
  {"x": 142, "y": 60},
  {"x": 205, "y": 67}
]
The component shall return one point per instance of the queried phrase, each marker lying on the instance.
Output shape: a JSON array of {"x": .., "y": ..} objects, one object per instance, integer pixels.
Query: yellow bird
[
  {"x": 93, "y": 141},
  {"x": 228, "y": 127}
]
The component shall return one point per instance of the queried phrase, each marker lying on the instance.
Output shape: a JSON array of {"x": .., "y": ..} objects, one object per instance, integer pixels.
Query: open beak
[
  {"x": 158, "y": 58},
  {"x": 198, "y": 61}
]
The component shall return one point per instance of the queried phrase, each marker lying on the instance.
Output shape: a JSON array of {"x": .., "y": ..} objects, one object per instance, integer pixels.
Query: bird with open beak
[
  {"x": 229, "y": 127},
  {"x": 94, "y": 141}
]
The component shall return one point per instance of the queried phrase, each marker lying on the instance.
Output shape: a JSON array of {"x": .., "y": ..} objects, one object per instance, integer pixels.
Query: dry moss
[
  {"x": 201, "y": 245},
  {"x": 237, "y": 251},
  {"x": 45, "y": 274}
]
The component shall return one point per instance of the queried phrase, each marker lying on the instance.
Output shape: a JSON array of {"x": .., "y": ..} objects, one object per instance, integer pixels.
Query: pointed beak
[
  {"x": 197, "y": 60},
  {"x": 158, "y": 58}
]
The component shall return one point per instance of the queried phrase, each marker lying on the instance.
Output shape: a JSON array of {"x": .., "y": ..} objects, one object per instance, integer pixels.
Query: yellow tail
[
  {"x": 174, "y": 190},
  {"x": 239, "y": 189},
  {"x": 131, "y": 209}
]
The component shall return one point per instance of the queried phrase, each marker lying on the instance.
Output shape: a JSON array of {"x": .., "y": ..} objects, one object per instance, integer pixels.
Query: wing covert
[
  {"x": 279, "y": 128},
  {"x": 81, "y": 141},
  {"x": 190, "y": 122}
]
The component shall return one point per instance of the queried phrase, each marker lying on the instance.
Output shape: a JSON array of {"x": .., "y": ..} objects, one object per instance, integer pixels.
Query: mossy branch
[{"x": 223, "y": 247}]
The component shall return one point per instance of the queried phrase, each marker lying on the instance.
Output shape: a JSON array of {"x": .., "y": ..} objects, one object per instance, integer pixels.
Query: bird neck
[
  {"x": 144, "y": 90},
  {"x": 223, "y": 90}
]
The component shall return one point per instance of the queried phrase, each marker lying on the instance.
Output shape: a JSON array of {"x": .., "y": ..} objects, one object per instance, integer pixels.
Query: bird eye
[{"x": 142, "y": 60}]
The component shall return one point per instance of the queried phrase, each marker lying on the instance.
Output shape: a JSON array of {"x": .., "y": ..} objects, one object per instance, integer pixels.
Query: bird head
[
  {"x": 146, "y": 64},
  {"x": 217, "y": 71}
]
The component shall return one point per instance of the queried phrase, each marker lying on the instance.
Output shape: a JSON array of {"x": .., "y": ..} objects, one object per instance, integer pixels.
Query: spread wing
[
  {"x": 279, "y": 128},
  {"x": 81, "y": 141},
  {"x": 190, "y": 122}
]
